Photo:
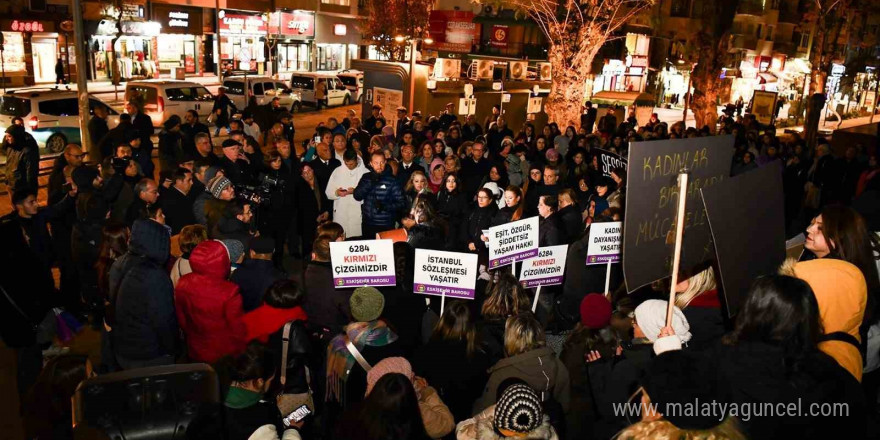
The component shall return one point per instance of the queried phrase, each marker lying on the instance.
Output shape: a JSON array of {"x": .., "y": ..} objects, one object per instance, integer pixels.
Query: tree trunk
[
  {"x": 707, "y": 86},
  {"x": 563, "y": 105},
  {"x": 818, "y": 76}
]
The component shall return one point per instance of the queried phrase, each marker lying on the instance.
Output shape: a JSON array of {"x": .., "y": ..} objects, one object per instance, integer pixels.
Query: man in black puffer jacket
[
  {"x": 382, "y": 196},
  {"x": 145, "y": 329}
]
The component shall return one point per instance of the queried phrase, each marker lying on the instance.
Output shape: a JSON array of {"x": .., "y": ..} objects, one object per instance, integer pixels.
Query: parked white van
[
  {"x": 305, "y": 83},
  {"x": 163, "y": 98},
  {"x": 263, "y": 88}
]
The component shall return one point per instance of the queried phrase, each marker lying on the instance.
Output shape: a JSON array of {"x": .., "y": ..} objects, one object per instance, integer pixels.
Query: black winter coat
[
  {"x": 490, "y": 337},
  {"x": 472, "y": 174},
  {"x": 170, "y": 150},
  {"x": 572, "y": 223},
  {"x": 146, "y": 324},
  {"x": 178, "y": 209},
  {"x": 755, "y": 373},
  {"x": 457, "y": 378},
  {"x": 383, "y": 199},
  {"x": 550, "y": 232},
  {"x": 253, "y": 278},
  {"x": 453, "y": 208},
  {"x": 325, "y": 305},
  {"x": 478, "y": 220},
  {"x": 85, "y": 242}
]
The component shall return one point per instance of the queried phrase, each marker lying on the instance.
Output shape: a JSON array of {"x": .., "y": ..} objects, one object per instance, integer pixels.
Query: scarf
[{"x": 340, "y": 361}]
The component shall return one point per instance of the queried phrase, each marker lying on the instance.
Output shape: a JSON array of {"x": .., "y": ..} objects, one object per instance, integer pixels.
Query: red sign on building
[
  {"x": 452, "y": 31},
  {"x": 238, "y": 23},
  {"x": 499, "y": 35},
  {"x": 293, "y": 24},
  {"x": 26, "y": 26}
]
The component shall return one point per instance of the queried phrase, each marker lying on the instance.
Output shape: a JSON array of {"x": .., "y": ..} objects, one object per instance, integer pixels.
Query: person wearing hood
[
  {"x": 340, "y": 190},
  {"x": 170, "y": 145},
  {"x": 530, "y": 189},
  {"x": 479, "y": 220},
  {"x": 528, "y": 358},
  {"x": 209, "y": 307},
  {"x": 22, "y": 158},
  {"x": 146, "y": 331},
  {"x": 841, "y": 293}
]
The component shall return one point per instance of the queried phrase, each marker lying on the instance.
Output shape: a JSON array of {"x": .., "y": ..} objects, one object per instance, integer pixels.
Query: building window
[
  {"x": 681, "y": 8},
  {"x": 337, "y": 2}
]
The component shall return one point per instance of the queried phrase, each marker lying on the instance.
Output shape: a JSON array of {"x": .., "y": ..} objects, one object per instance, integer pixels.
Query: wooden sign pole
[{"x": 679, "y": 235}]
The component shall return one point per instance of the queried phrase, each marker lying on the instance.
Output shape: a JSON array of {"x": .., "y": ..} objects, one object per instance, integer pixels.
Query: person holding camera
[{"x": 381, "y": 195}]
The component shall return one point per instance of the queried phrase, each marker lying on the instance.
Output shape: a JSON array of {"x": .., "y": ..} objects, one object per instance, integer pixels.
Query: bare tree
[
  {"x": 387, "y": 19},
  {"x": 575, "y": 31}
]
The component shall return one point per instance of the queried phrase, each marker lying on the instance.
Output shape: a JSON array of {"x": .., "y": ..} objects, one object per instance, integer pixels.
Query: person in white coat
[{"x": 340, "y": 189}]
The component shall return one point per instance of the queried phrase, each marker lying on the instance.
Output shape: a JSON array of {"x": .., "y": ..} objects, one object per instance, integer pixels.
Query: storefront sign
[
  {"x": 240, "y": 23},
  {"x": 764, "y": 106},
  {"x": 27, "y": 26},
  {"x": 453, "y": 274},
  {"x": 452, "y": 31},
  {"x": 605, "y": 241},
  {"x": 500, "y": 32},
  {"x": 13, "y": 52},
  {"x": 129, "y": 10},
  {"x": 511, "y": 242},
  {"x": 178, "y": 19},
  {"x": 137, "y": 28},
  {"x": 293, "y": 24},
  {"x": 362, "y": 263},
  {"x": 546, "y": 269},
  {"x": 340, "y": 29}
]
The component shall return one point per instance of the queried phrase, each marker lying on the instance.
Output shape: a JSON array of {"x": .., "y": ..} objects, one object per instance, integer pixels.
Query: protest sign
[
  {"x": 362, "y": 263},
  {"x": 452, "y": 274},
  {"x": 545, "y": 269},
  {"x": 749, "y": 231},
  {"x": 652, "y": 201},
  {"x": 512, "y": 242},
  {"x": 604, "y": 245},
  {"x": 608, "y": 161}
]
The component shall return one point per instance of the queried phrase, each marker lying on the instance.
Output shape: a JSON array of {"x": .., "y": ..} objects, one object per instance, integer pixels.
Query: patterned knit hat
[
  {"x": 217, "y": 185},
  {"x": 367, "y": 304},
  {"x": 385, "y": 366},
  {"x": 518, "y": 410}
]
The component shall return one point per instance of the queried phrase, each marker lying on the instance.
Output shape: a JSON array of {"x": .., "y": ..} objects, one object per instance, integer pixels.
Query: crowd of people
[{"x": 190, "y": 263}]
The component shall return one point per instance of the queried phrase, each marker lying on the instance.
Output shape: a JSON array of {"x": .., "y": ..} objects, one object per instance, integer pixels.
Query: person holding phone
[{"x": 249, "y": 414}]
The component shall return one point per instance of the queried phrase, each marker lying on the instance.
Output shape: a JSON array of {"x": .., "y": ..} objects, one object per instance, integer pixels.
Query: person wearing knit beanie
[
  {"x": 595, "y": 311},
  {"x": 388, "y": 365},
  {"x": 366, "y": 304},
  {"x": 235, "y": 250},
  {"x": 217, "y": 185},
  {"x": 518, "y": 411}
]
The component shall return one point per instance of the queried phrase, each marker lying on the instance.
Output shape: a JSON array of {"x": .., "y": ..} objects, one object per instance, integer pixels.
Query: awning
[
  {"x": 766, "y": 78},
  {"x": 623, "y": 98}
]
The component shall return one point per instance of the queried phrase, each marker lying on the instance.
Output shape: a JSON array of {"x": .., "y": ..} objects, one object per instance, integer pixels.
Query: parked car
[
  {"x": 50, "y": 116},
  {"x": 304, "y": 83},
  {"x": 354, "y": 82},
  {"x": 162, "y": 98},
  {"x": 264, "y": 88}
]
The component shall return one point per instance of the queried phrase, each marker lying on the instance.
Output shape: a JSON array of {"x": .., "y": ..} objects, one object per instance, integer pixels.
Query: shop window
[
  {"x": 60, "y": 107},
  {"x": 12, "y": 106},
  {"x": 337, "y": 2},
  {"x": 234, "y": 87},
  {"x": 180, "y": 94},
  {"x": 258, "y": 89}
]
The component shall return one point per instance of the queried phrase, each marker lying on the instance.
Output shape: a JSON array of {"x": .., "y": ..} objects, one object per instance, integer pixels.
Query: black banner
[
  {"x": 652, "y": 200},
  {"x": 748, "y": 228},
  {"x": 608, "y": 161}
]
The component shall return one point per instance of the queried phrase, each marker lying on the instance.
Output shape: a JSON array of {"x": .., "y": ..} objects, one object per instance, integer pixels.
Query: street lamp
[{"x": 413, "y": 42}]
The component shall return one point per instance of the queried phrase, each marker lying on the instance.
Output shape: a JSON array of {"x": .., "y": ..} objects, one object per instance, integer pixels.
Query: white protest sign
[
  {"x": 605, "y": 243},
  {"x": 546, "y": 269},
  {"x": 452, "y": 274},
  {"x": 512, "y": 242},
  {"x": 362, "y": 263}
]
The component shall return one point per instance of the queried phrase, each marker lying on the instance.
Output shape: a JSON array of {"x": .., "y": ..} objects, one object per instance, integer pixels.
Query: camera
[
  {"x": 251, "y": 194},
  {"x": 119, "y": 163},
  {"x": 270, "y": 183}
]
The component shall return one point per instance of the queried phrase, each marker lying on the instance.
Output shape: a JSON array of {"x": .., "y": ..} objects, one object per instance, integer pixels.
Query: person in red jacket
[
  {"x": 209, "y": 305},
  {"x": 281, "y": 304}
]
